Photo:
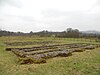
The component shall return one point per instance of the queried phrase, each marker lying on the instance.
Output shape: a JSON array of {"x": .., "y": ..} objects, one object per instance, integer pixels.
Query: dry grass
[{"x": 83, "y": 63}]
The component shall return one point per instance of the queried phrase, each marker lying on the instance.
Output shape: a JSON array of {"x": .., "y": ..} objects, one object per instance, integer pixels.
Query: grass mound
[{"x": 31, "y": 61}]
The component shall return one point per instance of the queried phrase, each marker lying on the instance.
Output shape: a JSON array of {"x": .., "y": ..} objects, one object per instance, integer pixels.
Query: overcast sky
[{"x": 52, "y": 15}]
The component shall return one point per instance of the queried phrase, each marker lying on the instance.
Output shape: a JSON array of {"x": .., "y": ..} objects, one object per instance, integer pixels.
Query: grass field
[{"x": 80, "y": 63}]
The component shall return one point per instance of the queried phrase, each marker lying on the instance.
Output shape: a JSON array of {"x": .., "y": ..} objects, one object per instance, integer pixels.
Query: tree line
[{"x": 68, "y": 33}]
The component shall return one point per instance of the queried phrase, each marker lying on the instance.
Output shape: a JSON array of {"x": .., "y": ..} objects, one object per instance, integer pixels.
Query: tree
[
  {"x": 72, "y": 33},
  {"x": 69, "y": 29}
]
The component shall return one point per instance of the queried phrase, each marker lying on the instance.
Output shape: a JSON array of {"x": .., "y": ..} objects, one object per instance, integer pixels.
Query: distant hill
[{"x": 91, "y": 31}]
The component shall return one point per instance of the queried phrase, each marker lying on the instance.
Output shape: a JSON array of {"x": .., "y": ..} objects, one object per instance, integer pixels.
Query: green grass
[
  {"x": 42, "y": 39},
  {"x": 80, "y": 63}
]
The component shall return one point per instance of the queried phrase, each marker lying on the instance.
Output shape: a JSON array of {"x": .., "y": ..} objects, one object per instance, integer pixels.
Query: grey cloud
[
  {"x": 84, "y": 21},
  {"x": 56, "y": 13},
  {"x": 76, "y": 19},
  {"x": 27, "y": 18},
  {"x": 15, "y": 3},
  {"x": 52, "y": 19},
  {"x": 22, "y": 18},
  {"x": 1, "y": 19},
  {"x": 1, "y": 1},
  {"x": 53, "y": 13},
  {"x": 98, "y": 2},
  {"x": 74, "y": 15}
]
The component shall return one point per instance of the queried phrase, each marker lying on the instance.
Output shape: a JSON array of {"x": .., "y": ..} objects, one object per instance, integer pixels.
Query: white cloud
[{"x": 36, "y": 15}]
